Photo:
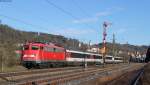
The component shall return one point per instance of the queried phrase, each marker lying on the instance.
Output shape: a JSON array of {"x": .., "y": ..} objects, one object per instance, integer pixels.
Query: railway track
[
  {"x": 137, "y": 77},
  {"x": 13, "y": 75},
  {"x": 35, "y": 71},
  {"x": 7, "y": 75},
  {"x": 129, "y": 77},
  {"x": 76, "y": 77},
  {"x": 55, "y": 76}
]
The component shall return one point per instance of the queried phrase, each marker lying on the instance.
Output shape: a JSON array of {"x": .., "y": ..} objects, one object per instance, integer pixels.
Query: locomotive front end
[{"x": 30, "y": 55}]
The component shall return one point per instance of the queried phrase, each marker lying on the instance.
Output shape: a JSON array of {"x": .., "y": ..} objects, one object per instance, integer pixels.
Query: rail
[
  {"x": 137, "y": 77},
  {"x": 35, "y": 71}
]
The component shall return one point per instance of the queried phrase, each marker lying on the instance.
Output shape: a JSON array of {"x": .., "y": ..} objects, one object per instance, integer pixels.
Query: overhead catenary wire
[
  {"x": 61, "y": 9},
  {"x": 21, "y": 21},
  {"x": 81, "y": 9},
  {"x": 64, "y": 11},
  {"x": 40, "y": 27}
]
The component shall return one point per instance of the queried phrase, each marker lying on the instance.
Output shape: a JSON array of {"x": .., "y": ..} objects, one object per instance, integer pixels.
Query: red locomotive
[{"x": 38, "y": 54}]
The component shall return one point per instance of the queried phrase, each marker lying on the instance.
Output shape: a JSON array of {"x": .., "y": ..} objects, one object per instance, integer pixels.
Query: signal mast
[{"x": 105, "y": 26}]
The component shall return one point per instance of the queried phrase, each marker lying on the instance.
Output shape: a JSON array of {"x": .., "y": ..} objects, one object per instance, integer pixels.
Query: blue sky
[{"x": 129, "y": 18}]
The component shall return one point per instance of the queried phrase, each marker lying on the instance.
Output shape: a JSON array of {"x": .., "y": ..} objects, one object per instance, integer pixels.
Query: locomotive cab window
[
  {"x": 35, "y": 48},
  {"x": 26, "y": 47}
]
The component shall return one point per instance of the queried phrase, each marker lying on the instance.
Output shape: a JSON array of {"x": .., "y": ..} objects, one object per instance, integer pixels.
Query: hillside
[
  {"x": 125, "y": 48},
  {"x": 10, "y": 38},
  {"x": 11, "y": 35}
]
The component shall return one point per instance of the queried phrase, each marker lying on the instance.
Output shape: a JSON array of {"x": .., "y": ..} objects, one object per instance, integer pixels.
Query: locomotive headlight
[
  {"x": 25, "y": 56},
  {"x": 33, "y": 55}
]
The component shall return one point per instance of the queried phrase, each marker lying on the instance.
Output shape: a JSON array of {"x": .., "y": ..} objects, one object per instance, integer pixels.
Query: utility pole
[
  {"x": 85, "y": 64},
  {"x": 2, "y": 64},
  {"x": 0, "y": 21},
  {"x": 89, "y": 44},
  {"x": 113, "y": 51},
  {"x": 1, "y": 55}
]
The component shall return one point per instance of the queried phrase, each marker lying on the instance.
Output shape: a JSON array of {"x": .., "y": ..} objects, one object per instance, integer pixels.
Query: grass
[{"x": 12, "y": 69}]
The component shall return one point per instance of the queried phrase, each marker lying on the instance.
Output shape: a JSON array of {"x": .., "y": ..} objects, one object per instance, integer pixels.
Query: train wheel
[
  {"x": 52, "y": 65},
  {"x": 28, "y": 66}
]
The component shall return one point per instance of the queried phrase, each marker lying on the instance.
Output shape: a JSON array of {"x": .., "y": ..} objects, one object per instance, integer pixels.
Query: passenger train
[{"x": 37, "y": 54}]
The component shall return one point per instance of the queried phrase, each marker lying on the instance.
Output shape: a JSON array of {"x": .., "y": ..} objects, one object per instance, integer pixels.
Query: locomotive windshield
[
  {"x": 34, "y": 47},
  {"x": 26, "y": 47}
]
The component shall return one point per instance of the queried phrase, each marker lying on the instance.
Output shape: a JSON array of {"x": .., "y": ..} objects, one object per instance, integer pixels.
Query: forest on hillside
[{"x": 11, "y": 38}]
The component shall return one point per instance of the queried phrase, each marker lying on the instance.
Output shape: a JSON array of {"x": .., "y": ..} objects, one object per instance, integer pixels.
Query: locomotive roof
[
  {"x": 73, "y": 51},
  {"x": 44, "y": 44}
]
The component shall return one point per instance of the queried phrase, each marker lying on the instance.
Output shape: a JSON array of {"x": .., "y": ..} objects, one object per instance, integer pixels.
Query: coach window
[
  {"x": 76, "y": 55},
  {"x": 109, "y": 58},
  {"x": 117, "y": 58},
  {"x": 87, "y": 56},
  {"x": 91, "y": 56},
  {"x": 100, "y": 57},
  {"x": 94, "y": 56},
  {"x": 82, "y": 55},
  {"x": 73, "y": 55},
  {"x": 97, "y": 57}
]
